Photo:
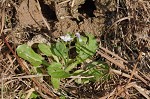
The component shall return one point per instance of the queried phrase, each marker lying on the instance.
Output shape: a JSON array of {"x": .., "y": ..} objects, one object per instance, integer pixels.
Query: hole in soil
[
  {"x": 35, "y": 47},
  {"x": 47, "y": 11},
  {"x": 31, "y": 32},
  {"x": 88, "y": 8}
]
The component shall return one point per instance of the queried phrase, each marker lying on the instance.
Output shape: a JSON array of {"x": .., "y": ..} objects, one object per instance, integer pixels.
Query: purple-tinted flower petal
[{"x": 78, "y": 36}]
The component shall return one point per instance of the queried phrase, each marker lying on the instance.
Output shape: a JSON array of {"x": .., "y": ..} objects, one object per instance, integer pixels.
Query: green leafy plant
[
  {"x": 61, "y": 64},
  {"x": 34, "y": 95}
]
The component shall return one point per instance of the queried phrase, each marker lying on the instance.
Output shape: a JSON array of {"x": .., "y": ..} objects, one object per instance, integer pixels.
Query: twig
[
  {"x": 2, "y": 19},
  {"x": 106, "y": 50},
  {"x": 30, "y": 91},
  {"x": 144, "y": 75},
  {"x": 142, "y": 79},
  {"x": 120, "y": 73},
  {"x": 134, "y": 68},
  {"x": 123, "y": 67},
  {"x": 124, "y": 18},
  {"x": 108, "y": 95},
  {"x": 124, "y": 87},
  {"x": 64, "y": 2},
  {"x": 2, "y": 88},
  {"x": 72, "y": 4},
  {"x": 113, "y": 61},
  {"x": 143, "y": 91},
  {"x": 26, "y": 76}
]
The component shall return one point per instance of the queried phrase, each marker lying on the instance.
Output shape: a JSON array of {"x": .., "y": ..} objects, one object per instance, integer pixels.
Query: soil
[
  {"x": 121, "y": 26},
  {"x": 62, "y": 17}
]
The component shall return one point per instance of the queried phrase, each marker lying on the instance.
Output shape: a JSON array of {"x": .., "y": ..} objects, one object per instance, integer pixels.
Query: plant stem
[{"x": 45, "y": 63}]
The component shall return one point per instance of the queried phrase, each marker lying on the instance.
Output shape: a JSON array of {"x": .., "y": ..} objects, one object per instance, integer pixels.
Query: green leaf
[
  {"x": 96, "y": 73},
  {"x": 54, "y": 67},
  {"x": 82, "y": 81},
  {"x": 55, "y": 82},
  {"x": 71, "y": 66},
  {"x": 77, "y": 72},
  {"x": 86, "y": 48},
  {"x": 97, "y": 69},
  {"x": 55, "y": 70},
  {"x": 62, "y": 97},
  {"x": 27, "y": 53},
  {"x": 34, "y": 95},
  {"x": 45, "y": 49},
  {"x": 56, "y": 58},
  {"x": 60, "y": 50},
  {"x": 60, "y": 74}
]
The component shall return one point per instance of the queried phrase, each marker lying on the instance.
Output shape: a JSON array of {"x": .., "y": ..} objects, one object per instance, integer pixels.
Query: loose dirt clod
[{"x": 29, "y": 14}]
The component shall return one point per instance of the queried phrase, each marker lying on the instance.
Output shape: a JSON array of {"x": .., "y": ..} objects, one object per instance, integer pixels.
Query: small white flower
[
  {"x": 66, "y": 38},
  {"x": 78, "y": 36}
]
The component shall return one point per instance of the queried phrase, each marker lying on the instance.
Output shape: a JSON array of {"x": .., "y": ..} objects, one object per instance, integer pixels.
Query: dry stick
[
  {"x": 132, "y": 73},
  {"x": 144, "y": 75},
  {"x": 120, "y": 73},
  {"x": 1, "y": 31},
  {"x": 112, "y": 60},
  {"x": 143, "y": 91},
  {"x": 122, "y": 66},
  {"x": 20, "y": 77},
  {"x": 134, "y": 68},
  {"x": 40, "y": 86},
  {"x": 3, "y": 1},
  {"x": 124, "y": 18},
  {"x": 11, "y": 63},
  {"x": 2, "y": 20},
  {"x": 30, "y": 91},
  {"x": 146, "y": 10},
  {"x": 124, "y": 88},
  {"x": 142, "y": 79},
  {"x": 106, "y": 50},
  {"x": 72, "y": 4},
  {"x": 64, "y": 1},
  {"x": 2, "y": 88},
  {"x": 108, "y": 95}
]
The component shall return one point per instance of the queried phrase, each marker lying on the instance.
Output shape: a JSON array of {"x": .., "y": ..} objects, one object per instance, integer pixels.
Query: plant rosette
[{"x": 59, "y": 52}]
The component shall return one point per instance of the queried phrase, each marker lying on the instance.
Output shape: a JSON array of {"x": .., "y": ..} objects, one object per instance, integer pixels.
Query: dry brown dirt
[{"x": 62, "y": 17}]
